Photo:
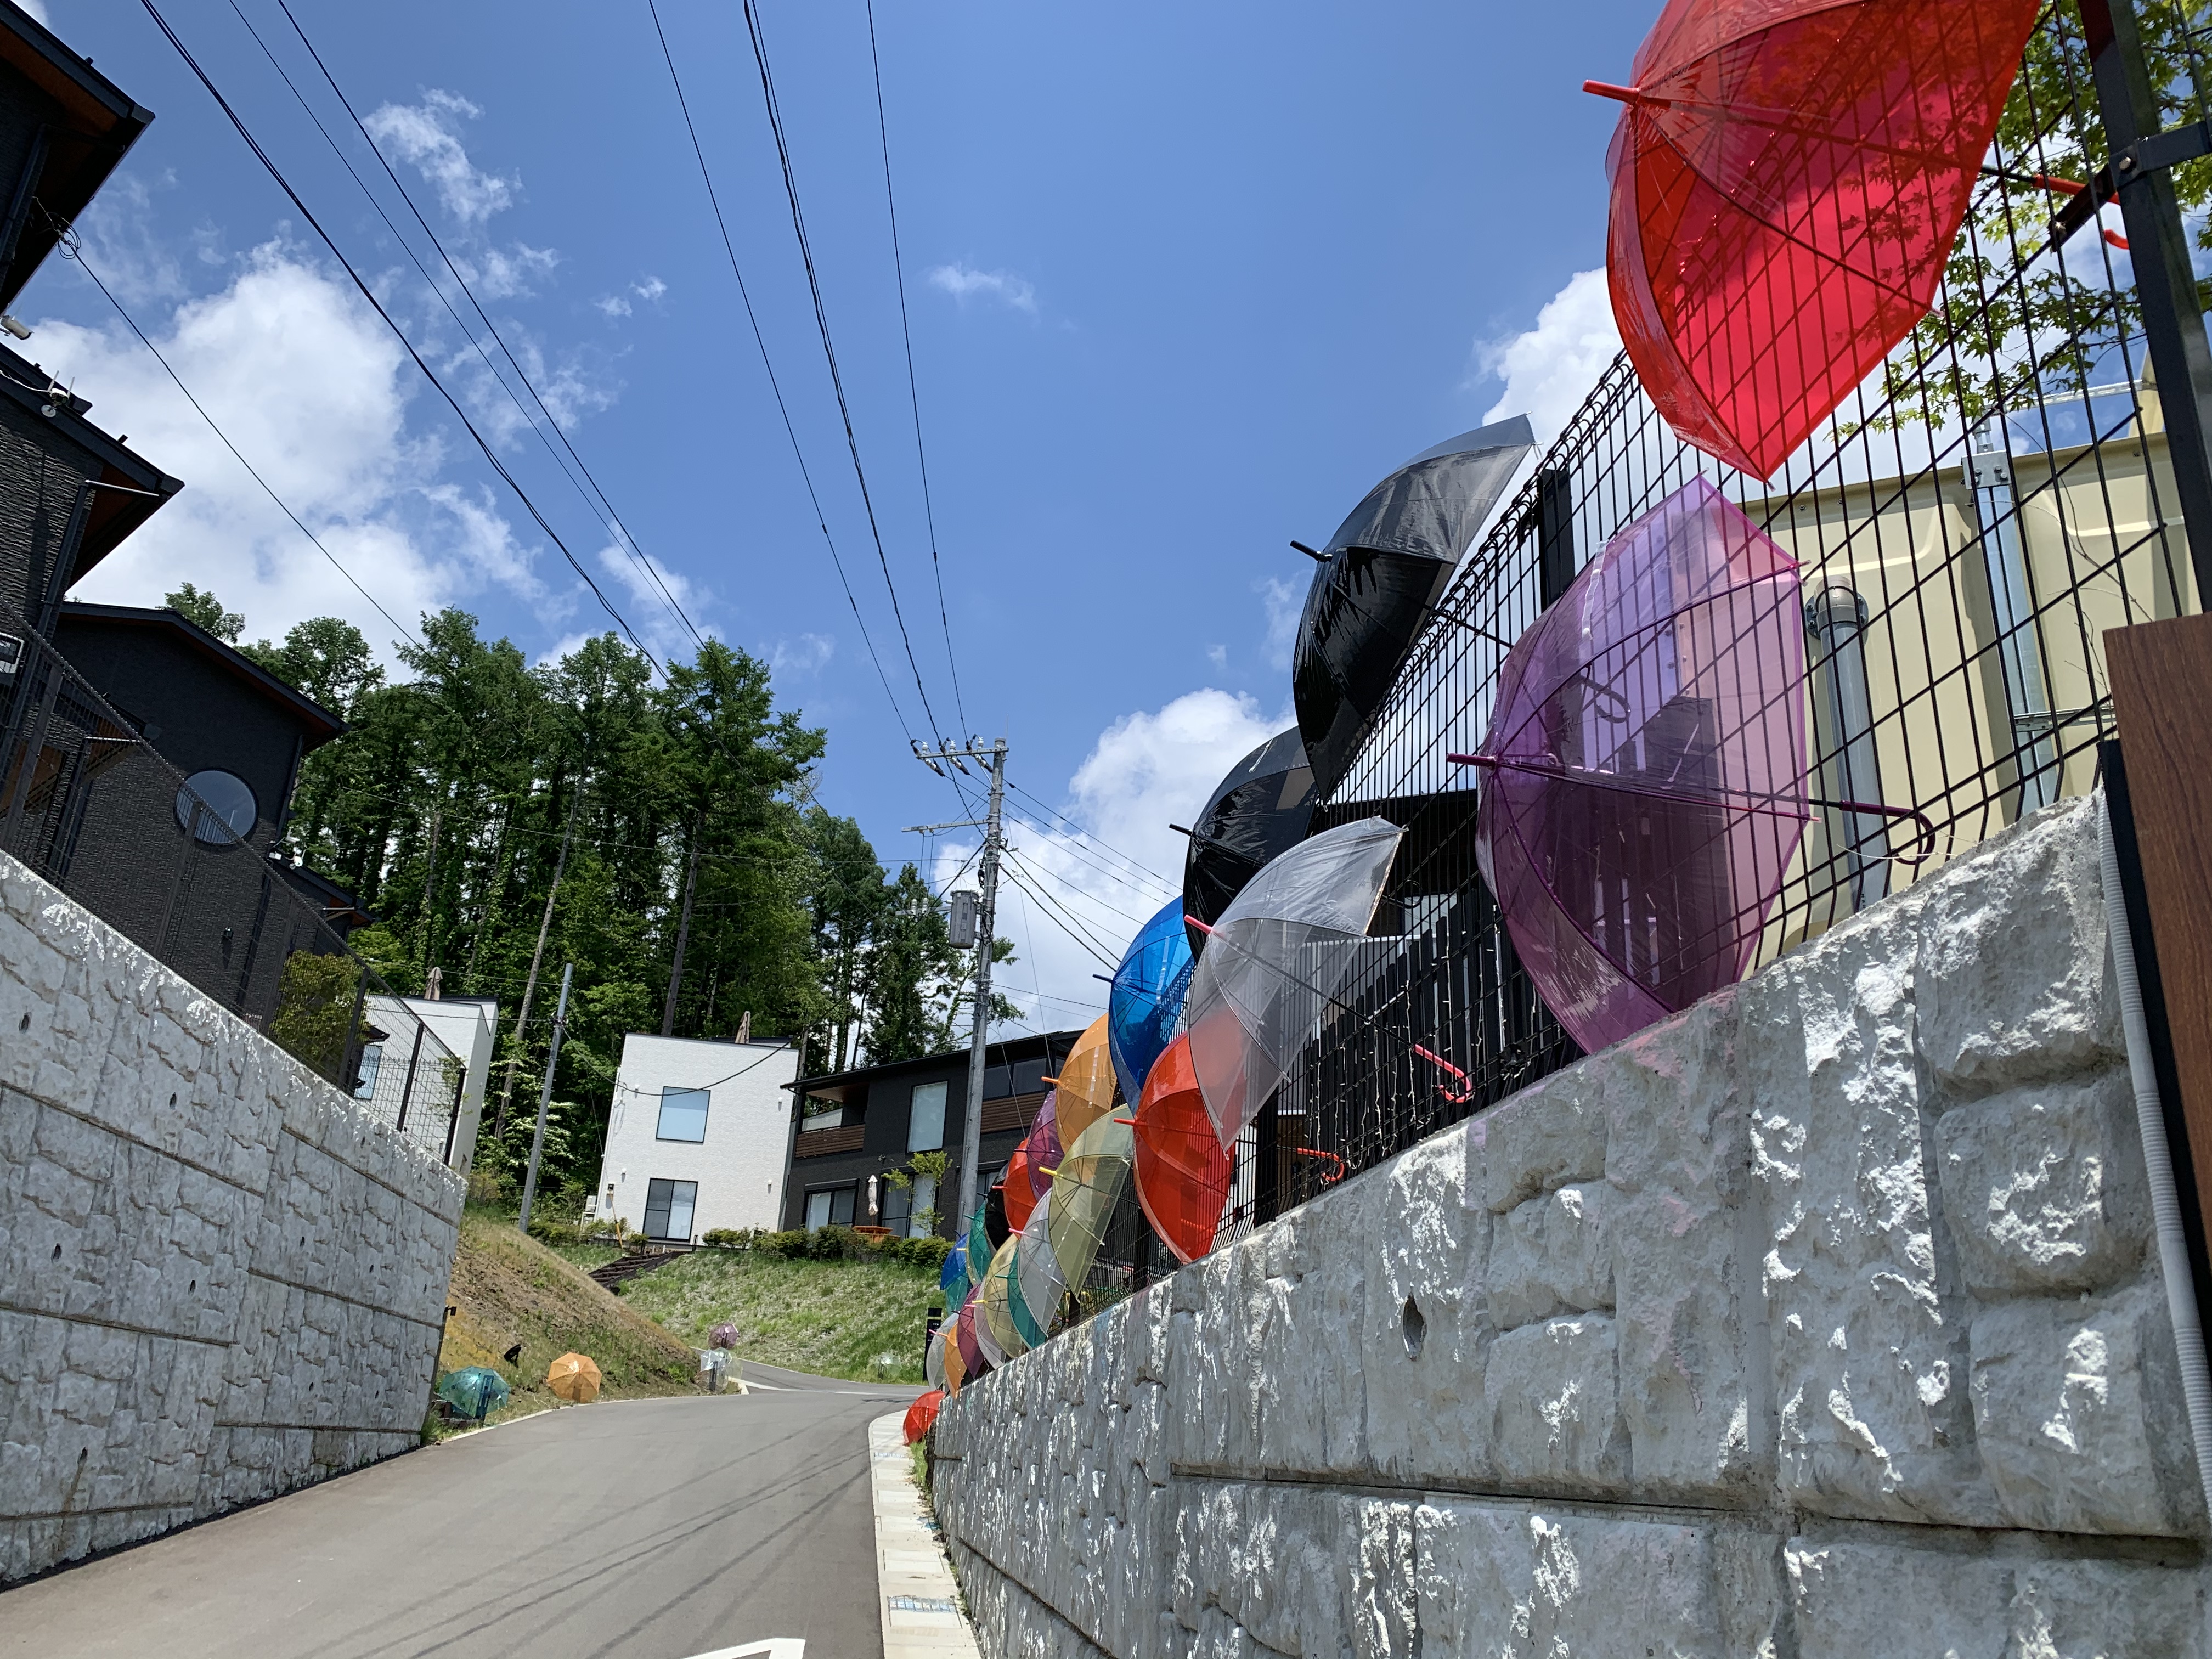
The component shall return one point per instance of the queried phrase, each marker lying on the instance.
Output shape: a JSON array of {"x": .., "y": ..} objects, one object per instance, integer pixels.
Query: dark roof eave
[{"x": 242, "y": 667}]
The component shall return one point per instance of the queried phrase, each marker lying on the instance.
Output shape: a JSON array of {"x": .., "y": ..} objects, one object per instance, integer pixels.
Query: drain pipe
[{"x": 2158, "y": 1161}]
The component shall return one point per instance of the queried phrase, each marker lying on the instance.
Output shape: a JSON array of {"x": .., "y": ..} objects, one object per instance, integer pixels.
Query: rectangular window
[
  {"x": 899, "y": 1204},
  {"x": 921, "y": 1219},
  {"x": 668, "y": 1207},
  {"x": 683, "y": 1115},
  {"x": 372, "y": 1061},
  {"x": 832, "y": 1207},
  {"x": 925, "y": 1122}
]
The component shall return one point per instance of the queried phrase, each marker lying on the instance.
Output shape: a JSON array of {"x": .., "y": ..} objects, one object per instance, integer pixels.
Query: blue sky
[{"x": 1183, "y": 280}]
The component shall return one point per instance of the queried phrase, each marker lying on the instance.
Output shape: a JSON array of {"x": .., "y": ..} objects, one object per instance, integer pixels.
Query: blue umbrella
[{"x": 1146, "y": 1005}]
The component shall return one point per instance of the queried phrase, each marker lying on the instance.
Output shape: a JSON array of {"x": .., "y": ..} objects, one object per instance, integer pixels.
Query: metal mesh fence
[
  {"x": 87, "y": 804},
  {"x": 1967, "y": 525}
]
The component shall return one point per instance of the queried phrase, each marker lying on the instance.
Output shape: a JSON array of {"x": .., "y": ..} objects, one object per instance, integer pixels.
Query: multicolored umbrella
[
  {"x": 1381, "y": 578},
  {"x": 1182, "y": 1172},
  {"x": 967, "y": 1348},
  {"x": 1787, "y": 180},
  {"x": 953, "y": 1277},
  {"x": 1275, "y": 961},
  {"x": 1144, "y": 1008},
  {"x": 1646, "y": 763},
  {"x": 1043, "y": 1144}
]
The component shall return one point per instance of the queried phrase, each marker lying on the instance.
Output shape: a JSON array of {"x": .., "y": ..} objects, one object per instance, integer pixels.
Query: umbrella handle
[
  {"x": 1316, "y": 1151},
  {"x": 1192, "y": 921},
  {"x": 1464, "y": 1095}
]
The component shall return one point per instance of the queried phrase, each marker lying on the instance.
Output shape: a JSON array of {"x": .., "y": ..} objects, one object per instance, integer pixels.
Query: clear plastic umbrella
[
  {"x": 1083, "y": 1193},
  {"x": 1268, "y": 975},
  {"x": 932, "y": 1360},
  {"x": 993, "y": 1316},
  {"x": 1038, "y": 1286},
  {"x": 1085, "y": 1083}
]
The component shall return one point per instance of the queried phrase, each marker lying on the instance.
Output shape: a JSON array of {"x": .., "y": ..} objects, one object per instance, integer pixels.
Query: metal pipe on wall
[{"x": 1836, "y": 618}]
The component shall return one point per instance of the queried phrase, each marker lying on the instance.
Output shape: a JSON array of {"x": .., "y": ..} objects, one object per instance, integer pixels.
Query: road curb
[{"x": 915, "y": 1594}]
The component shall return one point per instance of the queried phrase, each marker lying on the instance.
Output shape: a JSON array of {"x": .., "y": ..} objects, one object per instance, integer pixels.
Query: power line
[
  {"x": 913, "y": 391},
  {"x": 783, "y": 409},
  {"x": 1096, "y": 841},
  {"x": 606, "y": 508},
  {"x": 490, "y": 455},
  {"x": 73, "y": 250},
  {"x": 828, "y": 350}
]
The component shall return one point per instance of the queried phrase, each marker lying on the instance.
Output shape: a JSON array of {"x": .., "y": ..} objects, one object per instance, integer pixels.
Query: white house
[
  {"x": 464, "y": 1025},
  {"x": 699, "y": 1136}
]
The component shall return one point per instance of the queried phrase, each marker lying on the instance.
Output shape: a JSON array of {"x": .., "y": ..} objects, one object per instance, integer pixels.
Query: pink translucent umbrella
[{"x": 1647, "y": 769}]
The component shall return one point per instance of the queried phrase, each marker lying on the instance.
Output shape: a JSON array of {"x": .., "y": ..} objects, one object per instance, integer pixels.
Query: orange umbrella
[
  {"x": 1182, "y": 1169},
  {"x": 1085, "y": 1083},
  {"x": 921, "y": 1414},
  {"x": 574, "y": 1378},
  {"x": 1020, "y": 1198}
]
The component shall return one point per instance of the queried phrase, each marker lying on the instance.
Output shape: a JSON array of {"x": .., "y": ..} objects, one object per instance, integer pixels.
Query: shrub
[
  {"x": 551, "y": 1229},
  {"x": 834, "y": 1244},
  {"x": 791, "y": 1245},
  {"x": 731, "y": 1238}
]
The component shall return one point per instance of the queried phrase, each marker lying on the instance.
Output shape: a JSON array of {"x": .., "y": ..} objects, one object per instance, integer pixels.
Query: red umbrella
[
  {"x": 923, "y": 1412},
  {"x": 1020, "y": 1199},
  {"x": 1788, "y": 180},
  {"x": 1182, "y": 1169}
]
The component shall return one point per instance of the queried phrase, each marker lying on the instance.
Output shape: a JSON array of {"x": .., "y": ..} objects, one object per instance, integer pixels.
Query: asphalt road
[{"x": 630, "y": 1530}]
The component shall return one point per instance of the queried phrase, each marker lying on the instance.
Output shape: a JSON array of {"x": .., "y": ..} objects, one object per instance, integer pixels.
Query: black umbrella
[
  {"x": 1381, "y": 576},
  {"x": 1261, "y": 809}
]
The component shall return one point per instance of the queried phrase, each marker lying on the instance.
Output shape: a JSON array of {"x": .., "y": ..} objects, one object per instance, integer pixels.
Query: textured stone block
[
  {"x": 1547, "y": 1135},
  {"x": 2044, "y": 1186},
  {"x": 1423, "y": 1327},
  {"x": 1552, "y": 1255},
  {"x": 2015, "y": 979},
  {"x": 1496, "y": 1580},
  {"x": 2079, "y": 1416},
  {"x": 1551, "y": 1393}
]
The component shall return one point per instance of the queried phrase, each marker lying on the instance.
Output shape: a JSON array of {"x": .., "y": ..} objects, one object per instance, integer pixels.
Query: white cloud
[
  {"x": 37, "y": 9},
  {"x": 1147, "y": 771},
  {"x": 426, "y": 137},
  {"x": 809, "y": 654},
  {"x": 499, "y": 274},
  {"x": 1549, "y": 369},
  {"x": 619, "y": 305},
  {"x": 315, "y": 391},
  {"x": 1286, "y": 603},
  {"x": 648, "y": 602},
  {"x": 1008, "y": 287},
  {"x": 1218, "y": 656}
]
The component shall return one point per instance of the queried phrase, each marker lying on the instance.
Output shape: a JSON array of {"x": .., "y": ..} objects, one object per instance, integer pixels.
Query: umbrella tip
[
  {"x": 1319, "y": 558},
  {"x": 1607, "y": 89}
]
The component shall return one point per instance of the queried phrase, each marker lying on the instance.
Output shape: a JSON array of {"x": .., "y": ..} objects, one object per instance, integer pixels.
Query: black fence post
[
  {"x": 2158, "y": 244},
  {"x": 1555, "y": 533}
]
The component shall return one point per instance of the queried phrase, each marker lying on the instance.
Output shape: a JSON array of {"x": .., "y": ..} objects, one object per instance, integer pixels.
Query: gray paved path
[{"x": 634, "y": 1530}]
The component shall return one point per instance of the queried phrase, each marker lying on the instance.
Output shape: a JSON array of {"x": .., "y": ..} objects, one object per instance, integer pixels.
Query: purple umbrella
[{"x": 1647, "y": 769}]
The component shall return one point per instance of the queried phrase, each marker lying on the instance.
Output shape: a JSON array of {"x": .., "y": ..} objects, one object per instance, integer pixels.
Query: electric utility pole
[
  {"x": 546, "y": 1097},
  {"x": 537, "y": 959},
  {"x": 971, "y": 1127}
]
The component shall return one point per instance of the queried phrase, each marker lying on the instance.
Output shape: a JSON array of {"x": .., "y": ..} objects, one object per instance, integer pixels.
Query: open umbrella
[
  {"x": 1043, "y": 1144},
  {"x": 474, "y": 1391},
  {"x": 1261, "y": 810},
  {"x": 1380, "y": 579},
  {"x": 1646, "y": 763},
  {"x": 1144, "y": 1008},
  {"x": 933, "y": 1356},
  {"x": 1275, "y": 961},
  {"x": 574, "y": 1377},
  {"x": 953, "y": 1277},
  {"x": 994, "y": 1318},
  {"x": 1092, "y": 1176},
  {"x": 1039, "y": 1284},
  {"x": 954, "y": 1367},
  {"x": 967, "y": 1346},
  {"x": 1183, "y": 1171},
  {"x": 1014, "y": 1182},
  {"x": 921, "y": 1415},
  {"x": 1086, "y": 1084},
  {"x": 1788, "y": 180}
]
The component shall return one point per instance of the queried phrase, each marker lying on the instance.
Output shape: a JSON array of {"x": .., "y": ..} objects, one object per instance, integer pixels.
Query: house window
[
  {"x": 921, "y": 1219},
  {"x": 832, "y": 1207},
  {"x": 925, "y": 1122},
  {"x": 683, "y": 1115},
  {"x": 372, "y": 1060},
  {"x": 668, "y": 1207}
]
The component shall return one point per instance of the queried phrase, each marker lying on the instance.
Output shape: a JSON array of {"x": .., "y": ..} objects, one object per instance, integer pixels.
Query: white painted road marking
[{"x": 781, "y": 1647}]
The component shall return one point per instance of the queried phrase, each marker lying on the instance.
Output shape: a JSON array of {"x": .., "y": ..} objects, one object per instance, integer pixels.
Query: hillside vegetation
[
  {"x": 509, "y": 1289},
  {"x": 861, "y": 1321}
]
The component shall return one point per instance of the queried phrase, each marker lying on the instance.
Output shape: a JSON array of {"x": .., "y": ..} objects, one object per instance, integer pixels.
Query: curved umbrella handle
[{"x": 1437, "y": 1060}]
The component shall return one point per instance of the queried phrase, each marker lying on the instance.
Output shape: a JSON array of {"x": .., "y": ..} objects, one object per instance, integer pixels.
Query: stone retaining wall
[
  {"x": 1820, "y": 1322},
  {"x": 217, "y": 1280}
]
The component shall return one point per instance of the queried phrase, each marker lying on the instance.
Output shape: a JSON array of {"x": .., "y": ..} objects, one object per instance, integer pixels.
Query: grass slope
[
  {"x": 510, "y": 1289},
  {"x": 861, "y": 1321}
]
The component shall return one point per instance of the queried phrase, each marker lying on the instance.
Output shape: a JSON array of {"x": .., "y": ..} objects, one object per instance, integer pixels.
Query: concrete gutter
[{"x": 916, "y": 1593}]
